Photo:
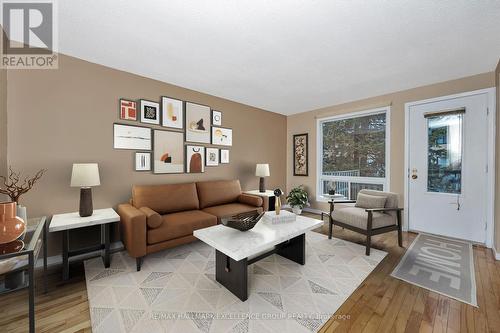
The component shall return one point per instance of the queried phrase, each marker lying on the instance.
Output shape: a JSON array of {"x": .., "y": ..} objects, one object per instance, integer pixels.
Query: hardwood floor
[{"x": 380, "y": 304}]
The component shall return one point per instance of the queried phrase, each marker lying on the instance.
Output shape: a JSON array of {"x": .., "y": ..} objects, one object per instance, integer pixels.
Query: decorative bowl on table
[{"x": 243, "y": 221}]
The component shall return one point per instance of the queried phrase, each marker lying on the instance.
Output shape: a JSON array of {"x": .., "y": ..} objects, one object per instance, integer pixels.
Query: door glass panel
[{"x": 444, "y": 153}]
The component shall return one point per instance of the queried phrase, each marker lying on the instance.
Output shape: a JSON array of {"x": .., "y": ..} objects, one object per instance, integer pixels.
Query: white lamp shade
[
  {"x": 85, "y": 175},
  {"x": 262, "y": 170}
]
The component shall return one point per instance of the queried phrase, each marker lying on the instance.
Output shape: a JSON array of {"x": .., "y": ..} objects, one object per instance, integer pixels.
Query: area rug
[
  {"x": 176, "y": 291},
  {"x": 440, "y": 264}
]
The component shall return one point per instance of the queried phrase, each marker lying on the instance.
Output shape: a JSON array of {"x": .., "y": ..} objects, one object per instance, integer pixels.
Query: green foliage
[
  {"x": 356, "y": 144},
  {"x": 297, "y": 197}
]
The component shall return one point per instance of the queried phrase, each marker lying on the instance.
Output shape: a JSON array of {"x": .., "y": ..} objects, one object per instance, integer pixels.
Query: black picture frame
[
  {"x": 186, "y": 125},
  {"x": 162, "y": 119},
  {"x": 153, "y": 156},
  {"x": 120, "y": 109},
  {"x": 215, "y": 112},
  {"x": 305, "y": 136},
  {"x": 133, "y": 148},
  {"x": 157, "y": 121},
  {"x": 222, "y": 128}
]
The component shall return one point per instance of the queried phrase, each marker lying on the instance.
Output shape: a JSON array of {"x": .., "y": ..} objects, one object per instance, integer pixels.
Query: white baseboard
[
  {"x": 57, "y": 259},
  {"x": 496, "y": 253}
]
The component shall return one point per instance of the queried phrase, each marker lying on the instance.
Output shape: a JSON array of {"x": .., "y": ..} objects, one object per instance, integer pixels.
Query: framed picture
[
  {"x": 195, "y": 159},
  {"x": 172, "y": 113},
  {"x": 142, "y": 161},
  {"x": 128, "y": 109},
  {"x": 222, "y": 136},
  {"x": 224, "y": 156},
  {"x": 300, "y": 155},
  {"x": 197, "y": 123},
  {"x": 216, "y": 118},
  {"x": 168, "y": 152},
  {"x": 131, "y": 137},
  {"x": 150, "y": 112},
  {"x": 212, "y": 157}
]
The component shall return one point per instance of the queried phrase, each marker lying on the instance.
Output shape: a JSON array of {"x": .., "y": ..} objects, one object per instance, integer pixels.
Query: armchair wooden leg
[
  {"x": 330, "y": 229},
  {"x": 400, "y": 229},
  {"x": 138, "y": 262},
  {"x": 369, "y": 233}
]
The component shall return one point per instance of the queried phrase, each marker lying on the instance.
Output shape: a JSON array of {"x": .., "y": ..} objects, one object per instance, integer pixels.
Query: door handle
[{"x": 414, "y": 174}]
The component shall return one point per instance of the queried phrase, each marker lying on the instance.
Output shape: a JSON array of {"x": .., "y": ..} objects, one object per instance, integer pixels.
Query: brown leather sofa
[{"x": 163, "y": 216}]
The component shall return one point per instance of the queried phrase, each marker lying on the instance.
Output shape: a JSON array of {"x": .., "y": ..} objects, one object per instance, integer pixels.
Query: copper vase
[{"x": 11, "y": 226}]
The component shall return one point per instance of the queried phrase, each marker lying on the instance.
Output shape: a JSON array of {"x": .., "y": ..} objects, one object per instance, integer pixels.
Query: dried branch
[{"x": 13, "y": 187}]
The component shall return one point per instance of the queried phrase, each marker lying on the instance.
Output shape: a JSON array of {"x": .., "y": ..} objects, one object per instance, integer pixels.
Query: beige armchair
[{"x": 374, "y": 213}]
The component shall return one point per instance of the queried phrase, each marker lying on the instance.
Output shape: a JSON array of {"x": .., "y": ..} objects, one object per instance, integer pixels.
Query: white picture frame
[
  {"x": 195, "y": 159},
  {"x": 197, "y": 119},
  {"x": 216, "y": 118},
  {"x": 222, "y": 136},
  {"x": 172, "y": 113},
  {"x": 150, "y": 112},
  {"x": 142, "y": 161},
  {"x": 131, "y": 137},
  {"x": 224, "y": 156},
  {"x": 212, "y": 157}
]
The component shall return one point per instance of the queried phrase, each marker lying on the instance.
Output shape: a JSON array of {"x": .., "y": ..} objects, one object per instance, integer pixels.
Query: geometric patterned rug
[{"x": 176, "y": 291}]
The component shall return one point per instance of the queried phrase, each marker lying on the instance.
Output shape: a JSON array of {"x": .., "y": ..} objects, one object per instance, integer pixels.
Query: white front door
[{"x": 448, "y": 155}]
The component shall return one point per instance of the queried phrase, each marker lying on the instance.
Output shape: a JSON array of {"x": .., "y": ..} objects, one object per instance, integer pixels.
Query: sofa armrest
[
  {"x": 133, "y": 230},
  {"x": 252, "y": 200},
  {"x": 153, "y": 219}
]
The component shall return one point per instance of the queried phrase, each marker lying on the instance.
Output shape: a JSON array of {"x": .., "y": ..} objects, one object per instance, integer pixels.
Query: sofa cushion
[
  {"x": 358, "y": 217},
  {"x": 368, "y": 201},
  {"x": 168, "y": 198},
  {"x": 218, "y": 192},
  {"x": 180, "y": 224},
  {"x": 153, "y": 219},
  {"x": 230, "y": 210}
]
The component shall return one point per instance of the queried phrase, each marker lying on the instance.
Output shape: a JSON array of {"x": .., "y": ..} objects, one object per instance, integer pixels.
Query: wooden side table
[
  {"x": 66, "y": 222},
  {"x": 268, "y": 196}
]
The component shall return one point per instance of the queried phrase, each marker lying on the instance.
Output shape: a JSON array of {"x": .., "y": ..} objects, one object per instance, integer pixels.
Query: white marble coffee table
[{"x": 235, "y": 250}]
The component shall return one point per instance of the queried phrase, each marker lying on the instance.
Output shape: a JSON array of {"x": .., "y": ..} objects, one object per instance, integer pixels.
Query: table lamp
[
  {"x": 85, "y": 175},
  {"x": 262, "y": 170}
]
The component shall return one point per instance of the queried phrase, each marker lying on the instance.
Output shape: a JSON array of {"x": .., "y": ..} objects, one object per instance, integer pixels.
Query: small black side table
[
  {"x": 19, "y": 257},
  {"x": 66, "y": 222}
]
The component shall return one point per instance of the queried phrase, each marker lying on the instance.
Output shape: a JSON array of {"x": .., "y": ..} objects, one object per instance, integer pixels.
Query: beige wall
[
  {"x": 59, "y": 117},
  {"x": 3, "y": 125},
  {"x": 306, "y": 123},
  {"x": 497, "y": 162}
]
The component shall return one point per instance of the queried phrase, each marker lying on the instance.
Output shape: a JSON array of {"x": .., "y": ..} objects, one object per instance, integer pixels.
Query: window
[{"x": 353, "y": 153}]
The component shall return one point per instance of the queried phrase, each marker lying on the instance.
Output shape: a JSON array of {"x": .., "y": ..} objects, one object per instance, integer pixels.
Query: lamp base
[
  {"x": 86, "y": 208},
  {"x": 262, "y": 185}
]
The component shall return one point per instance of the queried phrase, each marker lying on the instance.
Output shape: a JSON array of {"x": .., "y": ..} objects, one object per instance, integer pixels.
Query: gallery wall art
[
  {"x": 197, "y": 123},
  {"x": 150, "y": 112},
  {"x": 222, "y": 136},
  {"x": 212, "y": 157},
  {"x": 131, "y": 137},
  {"x": 173, "y": 149},
  {"x": 172, "y": 112},
  {"x": 168, "y": 153},
  {"x": 142, "y": 161},
  {"x": 195, "y": 159},
  {"x": 224, "y": 156},
  {"x": 128, "y": 109},
  {"x": 216, "y": 118},
  {"x": 300, "y": 152}
]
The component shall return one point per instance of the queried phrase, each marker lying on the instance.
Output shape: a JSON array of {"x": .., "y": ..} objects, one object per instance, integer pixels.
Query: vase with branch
[{"x": 12, "y": 186}]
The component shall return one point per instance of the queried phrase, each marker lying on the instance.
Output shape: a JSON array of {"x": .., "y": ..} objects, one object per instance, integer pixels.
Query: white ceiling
[{"x": 286, "y": 56}]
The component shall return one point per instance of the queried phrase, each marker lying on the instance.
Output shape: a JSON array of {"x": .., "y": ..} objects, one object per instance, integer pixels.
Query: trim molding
[{"x": 496, "y": 253}]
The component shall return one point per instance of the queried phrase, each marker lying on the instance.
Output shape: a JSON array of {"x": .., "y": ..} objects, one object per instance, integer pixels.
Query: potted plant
[{"x": 297, "y": 198}]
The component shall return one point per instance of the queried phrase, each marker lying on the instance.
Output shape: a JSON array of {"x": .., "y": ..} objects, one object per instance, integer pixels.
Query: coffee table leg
[
  {"x": 232, "y": 274},
  {"x": 105, "y": 242},
  {"x": 294, "y": 249}
]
